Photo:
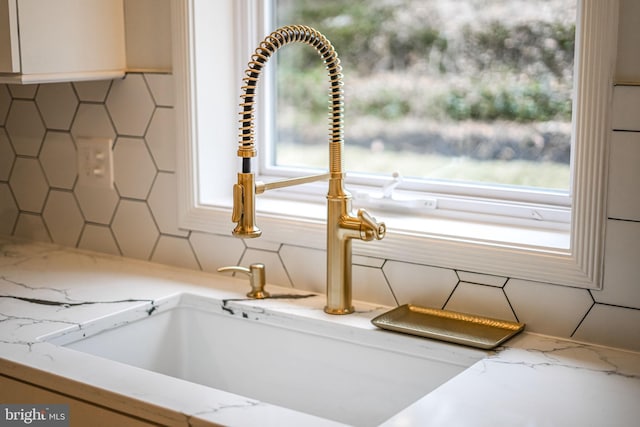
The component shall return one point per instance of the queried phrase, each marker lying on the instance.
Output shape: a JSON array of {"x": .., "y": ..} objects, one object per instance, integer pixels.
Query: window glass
[{"x": 464, "y": 90}]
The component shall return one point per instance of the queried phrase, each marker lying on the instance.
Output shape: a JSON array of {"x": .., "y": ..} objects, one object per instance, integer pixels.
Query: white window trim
[{"x": 204, "y": 162}]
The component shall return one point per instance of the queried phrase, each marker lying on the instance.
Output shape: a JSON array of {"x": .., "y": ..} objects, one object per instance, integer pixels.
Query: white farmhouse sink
[{"x": 353, "y": 375}]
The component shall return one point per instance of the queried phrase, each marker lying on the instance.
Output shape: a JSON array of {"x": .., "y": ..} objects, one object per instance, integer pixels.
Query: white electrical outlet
[{"x": 95, "y": 162}]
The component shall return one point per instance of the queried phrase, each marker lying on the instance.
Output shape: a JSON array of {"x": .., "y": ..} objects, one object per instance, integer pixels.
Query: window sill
[
  {"x": 510, "y": 251},
  {"x": 525, "y": 237}
]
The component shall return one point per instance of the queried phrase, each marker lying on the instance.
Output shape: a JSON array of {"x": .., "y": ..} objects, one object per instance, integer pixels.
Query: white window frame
[
  {"x": 475, "y": 202},
  {"x": 206, "y": 167}
]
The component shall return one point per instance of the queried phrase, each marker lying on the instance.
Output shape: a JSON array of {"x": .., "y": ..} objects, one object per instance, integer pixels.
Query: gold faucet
[{"x": 342, "y": 225}]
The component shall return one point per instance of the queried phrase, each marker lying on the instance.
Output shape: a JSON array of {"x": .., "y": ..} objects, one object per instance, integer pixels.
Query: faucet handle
[
  {"x": 374, "y": 229},
  {"x": 257, "y": 278},
  {"x": 238, "y": 203},
  {"x": 244, "y": 212}
]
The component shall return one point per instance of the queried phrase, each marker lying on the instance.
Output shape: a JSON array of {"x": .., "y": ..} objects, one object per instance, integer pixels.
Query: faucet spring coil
[{"x": 274, "y": 41}]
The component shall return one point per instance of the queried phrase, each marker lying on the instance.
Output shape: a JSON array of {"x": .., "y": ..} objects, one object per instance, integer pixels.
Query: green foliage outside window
[{"x": 432, "y": 68}]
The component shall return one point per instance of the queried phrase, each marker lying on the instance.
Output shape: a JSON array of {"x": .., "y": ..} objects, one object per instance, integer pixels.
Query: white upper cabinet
[
  {"x": 148, "y": 32},
  {"x": 61, "y": 40}
]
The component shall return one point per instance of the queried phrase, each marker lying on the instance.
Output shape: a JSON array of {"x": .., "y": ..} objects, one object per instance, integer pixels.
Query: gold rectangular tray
[{"x": 444, "y": 325}]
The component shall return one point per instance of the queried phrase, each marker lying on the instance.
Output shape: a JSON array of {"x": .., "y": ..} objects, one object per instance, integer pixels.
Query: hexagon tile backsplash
[{"x": 39, "y": 199}]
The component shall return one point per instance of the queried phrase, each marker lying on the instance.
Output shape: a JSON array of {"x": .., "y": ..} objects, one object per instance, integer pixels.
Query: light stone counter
[{"x": 44, "y": 289}]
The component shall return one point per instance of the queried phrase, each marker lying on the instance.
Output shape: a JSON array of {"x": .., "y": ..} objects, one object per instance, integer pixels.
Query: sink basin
[{"x": 353, "y": 375}]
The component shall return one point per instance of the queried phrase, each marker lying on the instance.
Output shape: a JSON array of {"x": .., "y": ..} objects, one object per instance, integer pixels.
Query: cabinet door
[
  {"x": 80, "y": 413},
  {"x": 9, "y": 46},
  {"x": 71, "y": 36},
  {"x": 148, "y": 35}
]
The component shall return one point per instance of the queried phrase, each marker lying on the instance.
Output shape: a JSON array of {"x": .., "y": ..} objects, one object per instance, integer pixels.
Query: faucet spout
[
  {"x": 277, "y": 39},
  {"x": 342, "y": 226}
]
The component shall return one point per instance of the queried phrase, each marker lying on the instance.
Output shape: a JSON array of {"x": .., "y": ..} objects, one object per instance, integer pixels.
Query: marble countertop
[{"x": 533, "y": 380}]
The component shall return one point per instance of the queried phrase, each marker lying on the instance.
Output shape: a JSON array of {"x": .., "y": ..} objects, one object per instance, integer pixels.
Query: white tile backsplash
[
  {"x": 612, "y": 326},
  {"x": 133, "y": 169},
  {"x": 274, "y": 268},
  {"x": 420, "y": 284},
  {"x": 481, "y": 300},
  {"x": 626, "y": 108},
  {"x": 63, "y": 218},
  {"x": 367, "y": 261},
  {"x": 58, "y": 160},
  {"x": 7, "y": 155},
  {"x": 8, "y": 210},
  {"x": 57, "y": 103},
  {"x": 25, "y": 127},
  {"x": 263, "y": 244},
  {"x": 92, "y": 120},
  {"x": 92, "y": 91},
  {"x": 98, "y": 238},
  {"x": 130, "y": 105},
  {"x": 628, "y": 65},
  {"x": 28, "y": 184},
  {"x": 41, "y": 199},
  {"x": 160, "y": 138},
  {"x": 175, "y": 251},
  {"x": 482, "y": 279},
  {"x": 306, "y": 265},
  {"x": 369, "y": 284},
  {"x": 624, "y": 176},
  {"x": 31, "y": 226},
  {"x": 23, "y": 91},
  {"x": 214, "y": 251},
  {"x": 161, "y": 87},
  {"x": 162, "y": 201},
  {"x": 621, "y": 284},
  {"x": 546, "y": 308},
  {"x": 5, "y": 103},
  {"x": 98, "y": 204},
  {"x": 134, "y": 229}
]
